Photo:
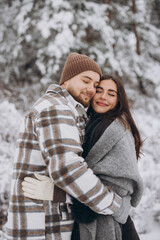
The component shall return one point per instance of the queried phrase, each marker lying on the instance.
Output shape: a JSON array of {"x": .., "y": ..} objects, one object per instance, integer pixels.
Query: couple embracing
[{"x": 75, "y": 173}]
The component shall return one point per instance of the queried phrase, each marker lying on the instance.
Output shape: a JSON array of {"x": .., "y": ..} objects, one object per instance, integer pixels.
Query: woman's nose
[{"x": 103, "y": 96}]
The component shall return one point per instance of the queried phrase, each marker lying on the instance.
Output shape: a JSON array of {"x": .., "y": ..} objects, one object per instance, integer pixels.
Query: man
[{"x": 49, "y": 143}]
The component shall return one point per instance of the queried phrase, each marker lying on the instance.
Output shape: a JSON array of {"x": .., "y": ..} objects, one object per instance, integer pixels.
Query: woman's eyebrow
[
  {"x": 111, "y": 90},
  {"x": 99, "y": 87}
]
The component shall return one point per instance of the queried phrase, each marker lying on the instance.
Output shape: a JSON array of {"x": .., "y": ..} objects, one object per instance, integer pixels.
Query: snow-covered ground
[{"x": 153, "y": 235}]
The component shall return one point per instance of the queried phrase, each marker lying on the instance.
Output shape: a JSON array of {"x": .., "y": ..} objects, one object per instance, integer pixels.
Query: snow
[
  {"x": 10, "y": 120},
  {"x": 154, "y": 235}
]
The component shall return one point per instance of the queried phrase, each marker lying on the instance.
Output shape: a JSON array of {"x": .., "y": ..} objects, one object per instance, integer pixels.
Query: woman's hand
[{"x": 41, "y": 188}]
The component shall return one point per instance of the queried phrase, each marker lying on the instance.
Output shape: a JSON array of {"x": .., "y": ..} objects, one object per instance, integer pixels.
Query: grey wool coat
[{"x": 113, "y": 160}]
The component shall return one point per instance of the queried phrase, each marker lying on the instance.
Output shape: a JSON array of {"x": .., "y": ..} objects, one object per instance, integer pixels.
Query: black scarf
[{"x": 94, "y": 130}]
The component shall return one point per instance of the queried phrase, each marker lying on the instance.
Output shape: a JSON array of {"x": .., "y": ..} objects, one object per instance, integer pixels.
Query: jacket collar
[
  {"x": 109, "y": 138},
  {"x": 54, "y": 88}
]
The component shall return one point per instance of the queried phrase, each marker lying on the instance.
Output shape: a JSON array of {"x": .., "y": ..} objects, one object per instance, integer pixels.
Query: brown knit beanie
[{"x": 77, "y": 63}]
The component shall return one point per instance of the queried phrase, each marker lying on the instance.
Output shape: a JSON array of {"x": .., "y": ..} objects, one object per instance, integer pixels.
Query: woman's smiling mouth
[{"x": 102, "y": 104}]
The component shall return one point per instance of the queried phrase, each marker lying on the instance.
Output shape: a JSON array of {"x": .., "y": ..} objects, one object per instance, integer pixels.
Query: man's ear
[{"x": 64, "y": 85}]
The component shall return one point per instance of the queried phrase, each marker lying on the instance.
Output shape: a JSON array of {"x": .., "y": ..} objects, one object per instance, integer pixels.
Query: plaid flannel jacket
[{"x": 49, "y": 143}]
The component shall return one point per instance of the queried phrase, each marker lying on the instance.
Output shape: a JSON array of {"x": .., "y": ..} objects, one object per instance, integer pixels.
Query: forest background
[{"x": 123, "y": 36}]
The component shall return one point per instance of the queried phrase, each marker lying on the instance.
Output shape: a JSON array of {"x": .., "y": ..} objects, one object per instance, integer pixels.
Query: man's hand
[
  {"x": 122, "y": 214},
  {"x": 41, "y": 189}
]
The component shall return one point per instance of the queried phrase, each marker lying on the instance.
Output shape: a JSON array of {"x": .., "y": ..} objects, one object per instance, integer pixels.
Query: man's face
[{"x": 82, "y": 87}]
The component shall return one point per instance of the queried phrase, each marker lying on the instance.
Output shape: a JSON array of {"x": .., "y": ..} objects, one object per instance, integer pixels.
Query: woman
[{"x": 111, "y": 149}]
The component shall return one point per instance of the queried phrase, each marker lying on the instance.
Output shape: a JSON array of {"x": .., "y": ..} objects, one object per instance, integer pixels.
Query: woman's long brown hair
[{"x": 122, "y": 112}]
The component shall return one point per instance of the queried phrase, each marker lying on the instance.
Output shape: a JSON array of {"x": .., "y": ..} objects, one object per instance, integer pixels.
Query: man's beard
[
  {"x": 82, "y": 101},
  {"x": 79, "y": 98}
]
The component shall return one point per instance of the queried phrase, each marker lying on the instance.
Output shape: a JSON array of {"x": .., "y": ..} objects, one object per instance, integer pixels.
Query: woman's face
[{"x": 106, "y": 97}]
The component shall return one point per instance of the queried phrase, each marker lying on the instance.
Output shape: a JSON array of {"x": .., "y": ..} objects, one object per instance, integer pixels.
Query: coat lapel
[{"x": 105, "y": 143}]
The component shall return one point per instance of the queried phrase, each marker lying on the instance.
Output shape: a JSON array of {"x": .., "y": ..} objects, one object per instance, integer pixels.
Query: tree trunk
[{"x": 135, "y": 29}]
